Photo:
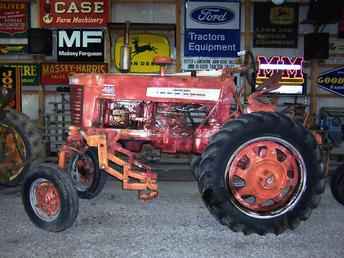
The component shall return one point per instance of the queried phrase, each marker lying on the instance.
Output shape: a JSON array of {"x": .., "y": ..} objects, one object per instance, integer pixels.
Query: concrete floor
[{"x": 116, "y": 224}]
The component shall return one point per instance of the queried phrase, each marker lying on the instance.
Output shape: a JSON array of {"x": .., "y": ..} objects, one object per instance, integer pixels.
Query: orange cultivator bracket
[{"x": 133, "y": 174}]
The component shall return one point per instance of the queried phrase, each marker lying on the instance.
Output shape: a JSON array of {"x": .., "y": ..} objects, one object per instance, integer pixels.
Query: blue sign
[
  {"x": 333, "y": 81},
  {"x": 211, "y": 43},
  {"x": 212, "y": 15},
  {"x": 212, "y": 28}
]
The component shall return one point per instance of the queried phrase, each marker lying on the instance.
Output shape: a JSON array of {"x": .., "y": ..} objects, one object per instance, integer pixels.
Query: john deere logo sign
[{"x": 143, "y": 49}]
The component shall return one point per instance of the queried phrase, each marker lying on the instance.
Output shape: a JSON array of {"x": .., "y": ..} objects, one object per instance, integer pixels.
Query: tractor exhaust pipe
[{"x": 125, "y": 51}]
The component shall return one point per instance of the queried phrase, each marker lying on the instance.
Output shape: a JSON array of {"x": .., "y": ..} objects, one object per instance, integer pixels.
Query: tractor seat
[{"x": 162, "y": 60}]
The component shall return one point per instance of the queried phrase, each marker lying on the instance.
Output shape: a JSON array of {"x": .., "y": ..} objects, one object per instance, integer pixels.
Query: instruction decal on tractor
[{"x": 184, "y": 93}]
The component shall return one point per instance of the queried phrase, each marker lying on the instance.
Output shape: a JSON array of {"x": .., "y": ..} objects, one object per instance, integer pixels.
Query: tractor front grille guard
[{"x": 121, "y": 165}]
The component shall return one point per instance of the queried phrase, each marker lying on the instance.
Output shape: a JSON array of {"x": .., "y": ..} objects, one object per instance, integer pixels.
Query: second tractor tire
[{"x": 236, "y": 183}]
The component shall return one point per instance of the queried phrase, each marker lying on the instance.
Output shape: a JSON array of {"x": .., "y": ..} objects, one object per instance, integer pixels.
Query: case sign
[
  {"x": 74, "y": 13},
  {"x": 14, "y": 19},
  {"x": 212, "y": 33},
  {"x": 53, "y": 74},
  {"x": 332, "y": 81},
  {"x": 80, "y": 45}
]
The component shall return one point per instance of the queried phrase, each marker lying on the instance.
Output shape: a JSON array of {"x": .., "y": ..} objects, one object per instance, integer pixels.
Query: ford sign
[{"x": 212, "y": 15}]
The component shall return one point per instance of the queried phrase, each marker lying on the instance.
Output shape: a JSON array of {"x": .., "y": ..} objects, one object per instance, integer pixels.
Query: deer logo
[{"x": 140, "y": 49}]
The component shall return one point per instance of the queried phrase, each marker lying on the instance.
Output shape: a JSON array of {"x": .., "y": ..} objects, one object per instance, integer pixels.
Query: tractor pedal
[{"x": 146, "y": 196}]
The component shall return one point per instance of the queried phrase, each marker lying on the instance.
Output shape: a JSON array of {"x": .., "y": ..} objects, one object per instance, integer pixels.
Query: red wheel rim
[
  {"x": 45, "y": 199},
  {"x": 265, "y": 176}
]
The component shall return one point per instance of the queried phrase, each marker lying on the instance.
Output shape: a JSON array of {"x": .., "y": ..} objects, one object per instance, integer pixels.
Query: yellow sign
[
  {"x": 143, "y": 48},
  {"x": 282, "y": 15}
]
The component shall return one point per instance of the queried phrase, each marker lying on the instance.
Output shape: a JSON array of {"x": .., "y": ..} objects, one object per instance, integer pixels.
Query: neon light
[{"x": 292, "y": 68}]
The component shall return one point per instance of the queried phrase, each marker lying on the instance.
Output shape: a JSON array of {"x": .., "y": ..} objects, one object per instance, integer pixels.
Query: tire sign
[{"x": 332, "y": 81}]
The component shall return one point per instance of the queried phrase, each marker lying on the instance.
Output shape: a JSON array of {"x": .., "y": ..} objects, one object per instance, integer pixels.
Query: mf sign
[
  {"x": 212, "y": 33},
  {"x": 333, "y": 81},
  {"x": 80, "y": 45}
]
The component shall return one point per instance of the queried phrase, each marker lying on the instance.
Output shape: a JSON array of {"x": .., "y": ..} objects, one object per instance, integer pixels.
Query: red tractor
[{"x": 258, "y": 171}]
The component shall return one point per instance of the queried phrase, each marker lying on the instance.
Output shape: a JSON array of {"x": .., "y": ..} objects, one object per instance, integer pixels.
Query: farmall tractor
[{"x": 258, "y": 171}]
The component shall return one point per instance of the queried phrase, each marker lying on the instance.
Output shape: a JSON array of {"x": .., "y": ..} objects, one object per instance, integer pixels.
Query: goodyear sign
[
  {"x": 143, "y": 48},
  {"x": 332, "y": 81}
]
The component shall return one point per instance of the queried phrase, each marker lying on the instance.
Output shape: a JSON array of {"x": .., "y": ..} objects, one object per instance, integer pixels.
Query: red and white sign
[
  {"x": 14, "y": 18},
  {"x": 58, "y": 73},
  {"x": 74, "y": 13}
]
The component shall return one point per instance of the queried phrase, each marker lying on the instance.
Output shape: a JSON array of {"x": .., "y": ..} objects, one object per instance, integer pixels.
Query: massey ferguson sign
[
  {"x": 80, "y": 45},
  {"x": 74, "y": 13}
]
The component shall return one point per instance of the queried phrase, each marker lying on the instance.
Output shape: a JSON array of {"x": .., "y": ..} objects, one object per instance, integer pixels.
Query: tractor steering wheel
[{"x": 250, "y": 63}]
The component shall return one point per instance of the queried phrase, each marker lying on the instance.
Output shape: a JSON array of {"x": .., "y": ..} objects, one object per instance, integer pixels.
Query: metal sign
[
  {"x": 10, "y": 88},
  {"x": 143, "y": 48},
  {"x": 80, "y": 45},
  {"x": 212, "y": 33},
  {"x": 275, "y": 26},
  {"x": 30, "y": 73},
  {"x": 53, "y": 73},
  {"x": 332, "y": 81},
  {"x": 12, "y": 49},
  {"x": 74, "y": 13},
  {"x": 293, "y": 79},
  {"x": 14, "y": 19}
]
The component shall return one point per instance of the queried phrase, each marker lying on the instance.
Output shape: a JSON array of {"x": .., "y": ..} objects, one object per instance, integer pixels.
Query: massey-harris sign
[
  {"x": 74, "y": 13},
  {"x": 53, "y": 74}
]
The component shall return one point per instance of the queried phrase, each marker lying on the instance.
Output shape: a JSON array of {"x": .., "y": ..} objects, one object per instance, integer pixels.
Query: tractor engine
[{"x": 170, "y": 126}]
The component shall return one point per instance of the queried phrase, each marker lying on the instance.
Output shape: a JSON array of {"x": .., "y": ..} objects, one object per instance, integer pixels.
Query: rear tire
[
  {"x": 88, "y": 179},
  {"x": 32, "y": 141},
  {"x": 49, "y": 198},
  {"x": 337, "y": 184},
  {"x": 261, "y": 174}
]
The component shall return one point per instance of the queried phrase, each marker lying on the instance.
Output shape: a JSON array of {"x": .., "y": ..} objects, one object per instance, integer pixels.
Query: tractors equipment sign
[
  {"x": 74, "y": 13},
  {"x": 212, "y": 33},
  {"x": 80, "y": 45},
  {"x": 14, "y": 19},
  {"x": 332, "y": 81},
  {"x": 53, "y": 74}
]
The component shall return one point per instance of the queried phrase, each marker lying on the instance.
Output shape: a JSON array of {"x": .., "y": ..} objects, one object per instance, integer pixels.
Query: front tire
[
  {"x": 88, "y": 179},
  {"x": 49, "y": 198},
  {"x": 261, "y": 174},
  {"x": 337, "y": 184}
]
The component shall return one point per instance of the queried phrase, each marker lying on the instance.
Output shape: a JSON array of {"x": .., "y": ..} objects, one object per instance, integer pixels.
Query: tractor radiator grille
[{"x": 76, "y": 103}]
